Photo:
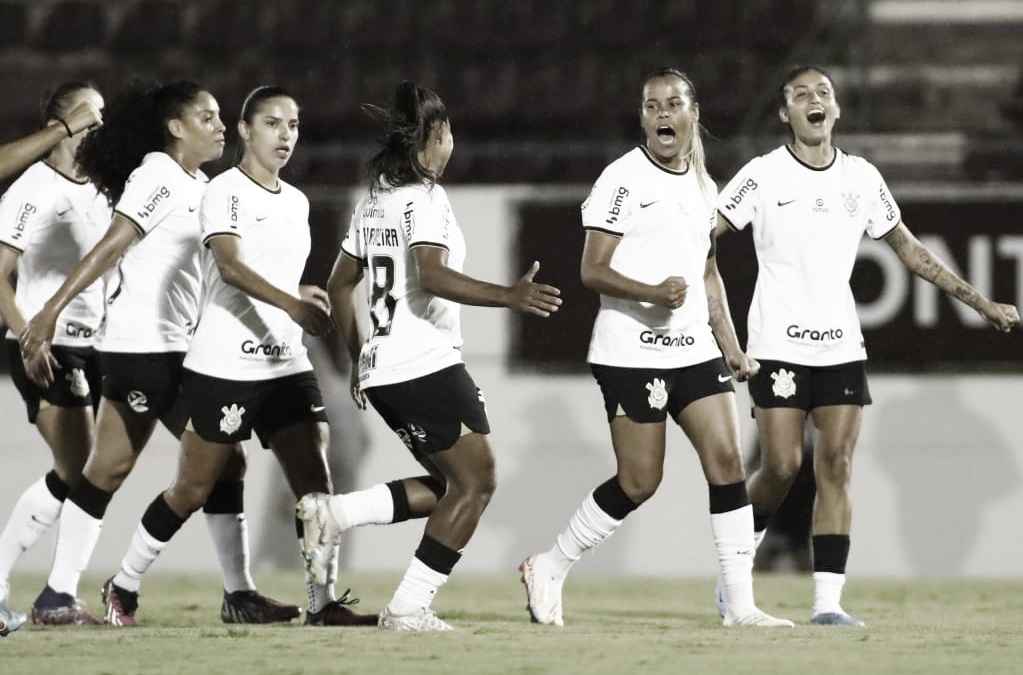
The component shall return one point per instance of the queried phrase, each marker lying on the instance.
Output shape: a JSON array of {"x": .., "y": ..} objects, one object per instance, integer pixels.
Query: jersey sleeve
[
  {"x": 883, "y": 215},
  {"x": 739, "y": 203},
  {"x": 608, "y": 208},
  {"x": 427, "y": 217},
  {"x": 24, "y": 207},
  {"x": 351, "y": 245},
  {"x": 148, "y": 198},
  {"x": 222, "y": 211}
]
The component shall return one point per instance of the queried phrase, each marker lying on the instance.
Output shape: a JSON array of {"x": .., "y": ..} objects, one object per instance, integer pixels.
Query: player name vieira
[{"x": 380, "y": 236}]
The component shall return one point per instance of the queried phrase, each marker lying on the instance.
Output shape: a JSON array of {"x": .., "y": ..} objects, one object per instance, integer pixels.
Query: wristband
[{"x": 66, "y": 127}]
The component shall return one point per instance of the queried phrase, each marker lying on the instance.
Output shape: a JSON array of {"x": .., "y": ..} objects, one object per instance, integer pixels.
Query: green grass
[{"x": 618, "y": 626}]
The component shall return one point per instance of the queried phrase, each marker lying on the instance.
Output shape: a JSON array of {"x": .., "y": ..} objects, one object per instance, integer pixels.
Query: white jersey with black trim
[
  {"x": 153, "y": 303},
  {"x": 414, "y": 333},
  {"x": 53, "y": 220},
  {"x": 664, "y": 219},
  {"x": 807, "y": 225},
  {"x": 238, "y": 336}
]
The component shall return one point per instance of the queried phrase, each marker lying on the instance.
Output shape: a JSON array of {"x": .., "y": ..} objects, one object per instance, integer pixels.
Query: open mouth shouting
[
  {"x": 666, "y": 134},
  {"x": 816, "y": 117}
]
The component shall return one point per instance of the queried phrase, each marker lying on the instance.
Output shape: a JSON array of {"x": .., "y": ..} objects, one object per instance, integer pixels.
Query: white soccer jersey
[
  {"x": 239, "y": 337},
  {"x": 414, "y": 333},
  {"x": 153, "y": 302},
  {"x": 807, "y": 224},
  {"x": 53, "y": 221},
  {"x": 665, "y": 221}
]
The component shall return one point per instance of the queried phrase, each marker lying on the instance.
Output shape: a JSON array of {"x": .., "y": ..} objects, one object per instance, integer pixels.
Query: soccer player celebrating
[
  {"x": 145, "y": 160},
  {"x": 49, "y": 219},
  {"x": 246, "y": 368},
  {"x": 16, "y": 155},
  {"x": 657, "y": 347},
  {"x": 404, "y": 234},
  {"x": 809, "y": 204}
]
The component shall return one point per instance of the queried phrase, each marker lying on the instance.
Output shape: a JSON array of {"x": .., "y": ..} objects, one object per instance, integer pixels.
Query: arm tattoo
[{"x": 922, "y": 262}]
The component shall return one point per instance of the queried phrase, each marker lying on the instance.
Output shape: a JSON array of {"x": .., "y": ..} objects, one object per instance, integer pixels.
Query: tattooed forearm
[
  {"x": 924, "y": 264},
  {"x": 720, "y": 318}
]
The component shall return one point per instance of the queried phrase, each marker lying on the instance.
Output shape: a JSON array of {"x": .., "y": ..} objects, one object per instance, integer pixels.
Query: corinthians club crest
[
  {"x": 784, "y": 383},
  {"x": 851, "y": 202}
]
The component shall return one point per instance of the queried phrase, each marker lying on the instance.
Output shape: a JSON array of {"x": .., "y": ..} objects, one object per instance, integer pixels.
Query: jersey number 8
[{"x": 381, "y": 304}]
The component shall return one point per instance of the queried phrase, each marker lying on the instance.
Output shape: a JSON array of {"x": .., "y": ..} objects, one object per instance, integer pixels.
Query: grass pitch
[{"x": 641, "y": 626}]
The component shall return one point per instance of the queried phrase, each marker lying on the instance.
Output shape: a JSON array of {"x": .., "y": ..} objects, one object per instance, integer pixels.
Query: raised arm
[
  {"x": 312, "y": 314},
  {"x": 345, "y": 276},
  {"x": 524, "y": 295},
  {"x": 16, "y": 155},
  {"x": 919, "y": 260},
  {"x": 597, "y": 275}
]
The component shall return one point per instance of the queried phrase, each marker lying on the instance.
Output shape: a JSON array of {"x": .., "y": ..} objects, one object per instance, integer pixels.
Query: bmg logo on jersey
[
  {"x": 234, "y": 210},
  {"x": 251, "y": 348},
  {"x": 27, "y": 211},
  {"x": 749, "y": 186},
  {"x": 615, "y": 208},
  {"x": 408, "y": 218},
  {"x": 652, "y": 339},
  {"x": 886, "y": 202},
  {"x": 157, "y": 196},
  {"x": 809, "y": 335}
]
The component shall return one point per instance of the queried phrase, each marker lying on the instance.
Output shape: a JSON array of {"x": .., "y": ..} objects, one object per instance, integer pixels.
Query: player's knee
[
  {"x": 727, "y": 464},
  {"x": 189, "y": 497},
  {"x": 640, "y": 487},
  {"x": 784, "y": 469},
  {"x": 833, "y": 468}
]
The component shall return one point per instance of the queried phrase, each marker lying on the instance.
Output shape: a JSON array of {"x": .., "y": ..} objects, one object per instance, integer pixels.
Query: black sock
[
  {"x": 57, "y": 487},
  {"x": 830, "y": 553},
  {"x": 402, "y": 512},
  {"x": 761, "y": 518},
  {"x": 90, "y": 498},
  {"x": 725, "y": 498},
  {"x": 436, "y": 555},
  {"x": 160, "y": 520},
  {"x": 228, "y": 496},
  {"x": 612, "y": 500}
]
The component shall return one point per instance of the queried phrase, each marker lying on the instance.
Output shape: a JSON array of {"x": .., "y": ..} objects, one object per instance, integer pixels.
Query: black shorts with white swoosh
[
  {"x": 228, "y": 411},
  {"x": 781, "y": 384},
  {"x": 652, "y": 394}
]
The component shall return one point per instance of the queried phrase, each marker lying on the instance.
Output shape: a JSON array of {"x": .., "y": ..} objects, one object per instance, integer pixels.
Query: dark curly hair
[
  {"x": 55, "y": 104},
  {"x": 134, "y": 124},
  {"x": 407, "y": 125}
]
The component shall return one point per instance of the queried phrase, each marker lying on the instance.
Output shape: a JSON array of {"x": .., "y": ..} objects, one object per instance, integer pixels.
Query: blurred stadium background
[{"x": 543, "y": 95}]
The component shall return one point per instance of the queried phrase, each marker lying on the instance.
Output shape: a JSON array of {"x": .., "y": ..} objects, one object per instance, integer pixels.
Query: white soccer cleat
[
  {"x": 320, "y": 535},
  {"x": 543, "y": 591},
  {"x": 756, "y": 618},
  {"x": 10, "y": 620},
  {"x": 423, "y": 621},
  {"x": 839, "y": 618}
]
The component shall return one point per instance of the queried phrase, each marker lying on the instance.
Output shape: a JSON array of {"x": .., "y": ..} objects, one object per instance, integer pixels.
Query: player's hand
[
  {"x": 316, "y": 295},
  {"x": 1002, "y": 316},
  {"x": 356, "y": 389},
  {"x": 37, "y": 334},
  {"x": 311, "y": 317},
  {"x": 533, "y": 298},
  {"x": 84, "y": 116},
  {"x": 41, "y": 367},
  {"x": 743, "y": 366},
  {"x": 670, "y": 293}
]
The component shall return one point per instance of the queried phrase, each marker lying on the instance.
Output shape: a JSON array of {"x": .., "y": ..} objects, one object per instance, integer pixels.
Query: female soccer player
[
  {"x": 16, "y": 155},
  {"x": 49, "y": 219},
  {"x": 809, "y": 204},
  {"x": 657, "y": 347},
  {"x": 405, "y": 235},
  {"x": 146, "y": 161},
  {"x": 246, "y": 368}
]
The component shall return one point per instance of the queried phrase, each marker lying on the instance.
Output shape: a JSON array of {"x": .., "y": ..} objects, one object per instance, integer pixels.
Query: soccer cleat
[
  {"x": 339, "y": 613},
  {"x": 10, "y": 620},
  {"x": 253, "y": 607},
  {"x": 719, "y": 598},
  {"x": 758, "y": 619},
  {"x": 320, "y": 534},
  {"x": 543, "y": 592},
  {"x": 120, "y": 604},
  {"x": 423, "y": 621},
  {"x": 839, "y": 618},
  {"x": 60, "y": 609}
]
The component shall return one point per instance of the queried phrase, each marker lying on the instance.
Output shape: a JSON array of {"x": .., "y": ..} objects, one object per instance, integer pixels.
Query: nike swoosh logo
[
  {"x": 723, "y": 378},
  {"x": 643, "y": 206},
  {"x": 317, "y": 408},
  {"x": 61, "y": 213},
  {"x": 191, "y": 209},
  {"x": 780, "y": 203},
  {"x": 259, "y": 220}
]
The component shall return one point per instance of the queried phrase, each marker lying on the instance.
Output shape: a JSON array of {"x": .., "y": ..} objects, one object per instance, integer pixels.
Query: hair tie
[{"x": 66, "y": 127}]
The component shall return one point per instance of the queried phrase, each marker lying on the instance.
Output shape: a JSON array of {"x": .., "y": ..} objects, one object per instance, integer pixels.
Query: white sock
[
  {"x": 230, "y": 534},
  {"x": 588, "y": 527},
  {"x": 417, "y": 588},
  {"x": 34, "y": 512},
  {"x": 827, "y": 592},
  {"x": 758, "y": 538},
  {"x": 373, "y": 506},
  {"x": 320, "y": 595},
  {"x": 142, "y": 553},
  {"x": 734, "y": 541},
  {"x": 76, "y": 540}
]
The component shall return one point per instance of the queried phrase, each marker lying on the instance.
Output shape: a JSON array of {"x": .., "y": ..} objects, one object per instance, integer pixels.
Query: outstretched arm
[
  {"x": 524, "y": 295},
  {"x": 743, "y": 366},
  {"x": 921, "y": 262}
]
